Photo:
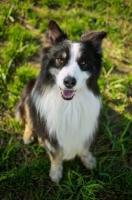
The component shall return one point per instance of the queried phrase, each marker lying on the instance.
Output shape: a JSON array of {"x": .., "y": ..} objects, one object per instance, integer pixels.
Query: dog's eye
[
  {"x": 83, "y": 62},
  {"x": 60, "y": 60}
]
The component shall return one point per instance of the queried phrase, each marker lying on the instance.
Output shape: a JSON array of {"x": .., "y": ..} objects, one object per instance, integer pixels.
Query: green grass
[{"x": 24, "y": 169}]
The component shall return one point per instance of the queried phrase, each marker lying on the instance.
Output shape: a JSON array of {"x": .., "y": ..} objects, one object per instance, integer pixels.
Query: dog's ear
[
  {"x": 54, "y": 33},
  {"x": 96, "y": 39}
]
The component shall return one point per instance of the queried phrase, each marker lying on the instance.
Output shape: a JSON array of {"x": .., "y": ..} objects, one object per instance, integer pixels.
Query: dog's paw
[
  {"x": 27, "y": 140},
  {"x": 90, "y": 161},
  {"x": 56, "y": 173}
]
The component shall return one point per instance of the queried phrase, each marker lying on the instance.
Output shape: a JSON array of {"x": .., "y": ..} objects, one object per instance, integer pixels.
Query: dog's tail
[{"x": 19, "y": 108}]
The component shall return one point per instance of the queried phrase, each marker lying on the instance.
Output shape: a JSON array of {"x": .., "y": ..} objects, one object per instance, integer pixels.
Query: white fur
[
  {"x": 74, "y": 122},
  {"x": 88, "y": 160},
  {"x": 56, "y": 172}
]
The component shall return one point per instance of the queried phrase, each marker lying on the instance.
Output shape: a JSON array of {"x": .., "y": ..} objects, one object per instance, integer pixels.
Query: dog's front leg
[
  {"x": 56, "y": 166},
  {"x": 88, "y": 160}
]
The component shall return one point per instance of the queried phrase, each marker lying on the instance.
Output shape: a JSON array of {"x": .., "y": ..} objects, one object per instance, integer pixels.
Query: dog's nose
[{"x": 69, "y": 82}]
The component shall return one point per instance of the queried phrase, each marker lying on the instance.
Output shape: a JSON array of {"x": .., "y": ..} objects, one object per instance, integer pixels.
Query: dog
[{"x": 62, "y": 106}]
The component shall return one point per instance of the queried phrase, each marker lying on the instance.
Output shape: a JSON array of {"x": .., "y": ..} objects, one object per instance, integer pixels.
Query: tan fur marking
[
  {"x": 41, "y": 143},
  {"x": 28, "y": 132}
]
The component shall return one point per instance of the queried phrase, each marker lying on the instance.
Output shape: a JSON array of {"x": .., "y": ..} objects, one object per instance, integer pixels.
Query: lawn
[{"x": 24, "y": 169}]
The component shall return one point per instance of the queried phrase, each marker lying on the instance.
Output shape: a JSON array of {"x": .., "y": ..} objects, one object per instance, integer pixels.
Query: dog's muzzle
[{"x": 69, "y": 83}]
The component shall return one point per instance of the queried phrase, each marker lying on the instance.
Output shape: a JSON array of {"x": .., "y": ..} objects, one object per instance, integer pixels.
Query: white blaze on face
[{"x": 72, "y": 69}]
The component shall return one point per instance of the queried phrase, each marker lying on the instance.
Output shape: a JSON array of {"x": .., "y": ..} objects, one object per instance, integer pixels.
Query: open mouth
[{"x": 67, "y": 94}]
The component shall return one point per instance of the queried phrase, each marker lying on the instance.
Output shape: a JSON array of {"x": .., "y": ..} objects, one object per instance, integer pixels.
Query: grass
[{"x": 24, "y": 169}]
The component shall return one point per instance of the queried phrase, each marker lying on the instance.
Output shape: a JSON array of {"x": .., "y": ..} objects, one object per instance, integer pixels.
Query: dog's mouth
[{"x": 67, "y": 94}]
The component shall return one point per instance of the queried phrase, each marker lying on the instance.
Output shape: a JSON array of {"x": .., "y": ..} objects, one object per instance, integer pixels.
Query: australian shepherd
[{"x": 61, "y": 107}]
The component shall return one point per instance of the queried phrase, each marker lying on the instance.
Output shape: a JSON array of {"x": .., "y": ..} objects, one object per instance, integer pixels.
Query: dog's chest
[{"x": 73, "y": 122}]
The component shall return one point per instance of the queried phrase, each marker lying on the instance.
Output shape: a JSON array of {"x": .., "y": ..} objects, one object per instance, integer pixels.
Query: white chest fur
[{"x": 74, "y": 122}]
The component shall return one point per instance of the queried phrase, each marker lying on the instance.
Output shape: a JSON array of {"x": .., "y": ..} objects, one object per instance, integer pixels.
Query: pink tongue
[{"x": 67, "y": 93}]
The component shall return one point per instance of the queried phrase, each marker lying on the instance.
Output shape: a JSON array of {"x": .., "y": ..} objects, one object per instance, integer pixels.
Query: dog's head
[{"x": 72, "y": 64}]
